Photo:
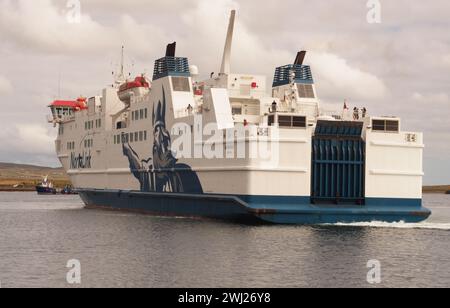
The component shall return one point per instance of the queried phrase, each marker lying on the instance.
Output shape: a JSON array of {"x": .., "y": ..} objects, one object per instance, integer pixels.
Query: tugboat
[{"x": 46, "y": 187}]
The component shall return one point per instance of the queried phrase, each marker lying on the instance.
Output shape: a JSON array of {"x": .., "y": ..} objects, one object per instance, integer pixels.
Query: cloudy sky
[{"x": 400, "y": 66}]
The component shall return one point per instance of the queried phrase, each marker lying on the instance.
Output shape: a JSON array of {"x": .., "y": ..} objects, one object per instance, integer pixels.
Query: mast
[
  {"x": 120, "y": 78},
  {"x": 226, "y": 62},
  {"x": 122, "y": 75},
  {"x": 59, "y": 83},
  {"x": 121, "y": 63}
]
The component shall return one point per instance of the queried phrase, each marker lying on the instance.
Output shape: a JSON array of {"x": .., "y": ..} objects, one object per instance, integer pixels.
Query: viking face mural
[{"x": 161, "y": 172}]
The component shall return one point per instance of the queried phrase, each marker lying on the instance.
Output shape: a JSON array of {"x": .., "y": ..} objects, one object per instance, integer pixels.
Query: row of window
[
  {"x": 386, "y": 125},
  {"x": 88, "y": 143},
  {"x": 130, "y": 137},
  {"x": 71, "y": 145},
  {"x": 63, "y": 112},
  {"x": 90, "y": 124},
  {"x": 288, "y": 121},
  {"x": 139, "y": 114}
]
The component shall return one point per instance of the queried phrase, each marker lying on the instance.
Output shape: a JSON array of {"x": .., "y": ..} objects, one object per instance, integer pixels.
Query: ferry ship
[{"x": 224, "y": 148}]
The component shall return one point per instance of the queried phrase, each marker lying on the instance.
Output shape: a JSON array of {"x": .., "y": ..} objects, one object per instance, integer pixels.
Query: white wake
[{"x": 397, "y": 225}]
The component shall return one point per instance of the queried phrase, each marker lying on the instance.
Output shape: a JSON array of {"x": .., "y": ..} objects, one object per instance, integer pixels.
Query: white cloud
[
  {"x": 31, "y": 139},
  {"x": 43, "y": 26},
  {"x": 432, "y": 100},
  {"x": 36, "y": 138},
  {"x": 337, "y": 78},
  {"x": 5, "y": 86},
  {"x": 446, "y": 60},
  {"x": 208, "y": 22}
]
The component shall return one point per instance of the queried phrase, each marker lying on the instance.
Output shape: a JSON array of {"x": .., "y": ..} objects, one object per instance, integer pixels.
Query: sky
[{"x": 397, "y": 66}]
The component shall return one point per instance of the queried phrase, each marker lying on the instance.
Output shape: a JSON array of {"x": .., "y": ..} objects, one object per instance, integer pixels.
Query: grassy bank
[
  {"x": 27, "y": 185},
  {"x": 15, "y": 177},
  {"x": 442, "y": 189}
]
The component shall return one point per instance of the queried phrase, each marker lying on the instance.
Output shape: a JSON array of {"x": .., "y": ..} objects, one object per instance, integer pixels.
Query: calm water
[{"x": 40, "y": 234}]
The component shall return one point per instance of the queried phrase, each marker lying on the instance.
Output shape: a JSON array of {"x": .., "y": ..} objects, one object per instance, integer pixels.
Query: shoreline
[
  {"x": 426, "y": 189},
  {"x": 437, "y": 189},
  {"x": 17, "y": 190}
]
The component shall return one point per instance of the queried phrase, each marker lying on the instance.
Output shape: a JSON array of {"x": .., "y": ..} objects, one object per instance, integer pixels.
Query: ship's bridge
[{"x": 63, "y": 111}]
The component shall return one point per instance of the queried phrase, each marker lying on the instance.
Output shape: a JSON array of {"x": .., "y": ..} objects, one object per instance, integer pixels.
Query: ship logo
[
  {"x": 161, "y": 172},
  {"x": 81, "y": 161}
]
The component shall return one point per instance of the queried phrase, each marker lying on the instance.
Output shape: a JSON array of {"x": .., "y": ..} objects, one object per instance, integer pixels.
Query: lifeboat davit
[{"x": 139, "y": 87}]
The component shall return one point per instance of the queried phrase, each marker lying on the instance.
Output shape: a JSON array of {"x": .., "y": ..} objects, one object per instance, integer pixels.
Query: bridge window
[
  {"x": 292, "y": 121},
  {"x": 305, "y": 90},
  {"x": 386, "y": 125},
  {"x": 236, "y": 110},
  {"x": 392, "y": 126},
  {"x": 285, "y": 121},
  {"x": 181, "y": 84},
  {"x": 298, "y": 121}
]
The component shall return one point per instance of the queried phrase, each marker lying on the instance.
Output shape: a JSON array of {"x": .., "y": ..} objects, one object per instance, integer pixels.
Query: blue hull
[{"x": 254, "y": 209}]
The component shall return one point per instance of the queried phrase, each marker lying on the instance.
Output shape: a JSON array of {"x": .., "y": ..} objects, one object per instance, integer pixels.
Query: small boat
[
  {"x": 46, "y": 187},
  {"x": 68, "y": 190},
  {"x": 448, "y": 192}
]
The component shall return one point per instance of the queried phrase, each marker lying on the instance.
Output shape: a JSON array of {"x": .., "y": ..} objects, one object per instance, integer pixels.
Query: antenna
[
  {"x": 59, "y": 83},
  {"x": 122, "y": 63},
  {"x": 226, "y": 64}
]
